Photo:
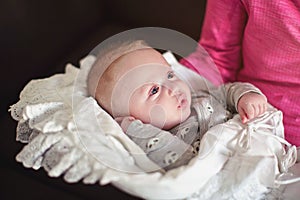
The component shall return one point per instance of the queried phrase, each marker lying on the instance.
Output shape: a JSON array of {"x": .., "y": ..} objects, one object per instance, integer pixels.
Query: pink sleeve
[{"x": 221, "y": 37}]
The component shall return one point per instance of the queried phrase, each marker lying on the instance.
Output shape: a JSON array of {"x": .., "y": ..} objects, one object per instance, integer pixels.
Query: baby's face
[
  {"x": 150, "y": 90},
  {"x": 163, "y": 101}
]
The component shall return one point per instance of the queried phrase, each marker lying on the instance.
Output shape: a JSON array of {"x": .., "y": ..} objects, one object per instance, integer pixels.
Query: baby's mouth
[{"x": 182, "y": 101}]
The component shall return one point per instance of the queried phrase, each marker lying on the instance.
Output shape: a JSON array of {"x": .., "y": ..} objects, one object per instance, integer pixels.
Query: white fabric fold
[{"x": 69, "y": 134}]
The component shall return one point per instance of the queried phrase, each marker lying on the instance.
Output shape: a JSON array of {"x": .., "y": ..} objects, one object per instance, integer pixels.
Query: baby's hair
[{"x": 106, "y": 56}]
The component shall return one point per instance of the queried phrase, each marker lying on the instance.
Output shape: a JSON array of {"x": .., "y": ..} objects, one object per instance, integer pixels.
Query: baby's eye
[
  {"x": 154, "y": 90},
  {"x": 170, "y": 75}
]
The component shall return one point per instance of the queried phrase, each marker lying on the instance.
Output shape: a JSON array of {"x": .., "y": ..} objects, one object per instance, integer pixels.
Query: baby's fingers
[
  {"x": 258, "y": 109},
  {"x": 243, "y": 115},
  {"x": 249, "y": 111},
  {"x": 263, "y": 108}
]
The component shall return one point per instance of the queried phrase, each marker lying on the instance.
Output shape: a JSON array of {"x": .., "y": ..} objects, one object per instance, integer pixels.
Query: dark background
[{"x": 37, "y": 39}]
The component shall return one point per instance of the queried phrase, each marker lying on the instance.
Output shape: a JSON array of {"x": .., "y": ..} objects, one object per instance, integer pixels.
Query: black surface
[{"x": 37, "y": 39}]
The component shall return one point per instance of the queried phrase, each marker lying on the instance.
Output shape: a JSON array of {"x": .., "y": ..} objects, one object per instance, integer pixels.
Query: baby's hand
[
  {"x": 124, "y": 122},
  {"x": 251, "y": 105}
]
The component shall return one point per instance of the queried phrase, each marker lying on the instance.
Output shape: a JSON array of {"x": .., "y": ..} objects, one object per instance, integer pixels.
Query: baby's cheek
[{"x": 157, "y": 115}]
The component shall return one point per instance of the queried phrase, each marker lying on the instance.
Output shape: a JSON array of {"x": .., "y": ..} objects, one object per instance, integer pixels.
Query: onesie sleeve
[
  {"x": 162, "y": 147},
  {"x": 234, "y": 91}
]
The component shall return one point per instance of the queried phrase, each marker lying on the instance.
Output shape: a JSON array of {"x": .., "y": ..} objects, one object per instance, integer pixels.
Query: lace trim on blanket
[{"x": 60, "y": 125}]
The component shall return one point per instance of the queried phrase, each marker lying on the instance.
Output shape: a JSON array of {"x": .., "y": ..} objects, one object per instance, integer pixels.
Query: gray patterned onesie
[{"x": 177, "y": 146}]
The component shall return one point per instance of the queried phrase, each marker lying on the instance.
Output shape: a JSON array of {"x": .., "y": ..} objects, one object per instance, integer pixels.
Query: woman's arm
[{"x": 221, "y": 36}]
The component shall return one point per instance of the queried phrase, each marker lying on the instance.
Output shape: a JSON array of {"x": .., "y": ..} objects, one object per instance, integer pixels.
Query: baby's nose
[
  {"x": 170, "y": 88},
  {"x": 172, "y": 91}
]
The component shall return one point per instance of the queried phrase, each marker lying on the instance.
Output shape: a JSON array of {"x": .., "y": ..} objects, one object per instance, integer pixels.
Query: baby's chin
[{"x": 172, "y": 124}]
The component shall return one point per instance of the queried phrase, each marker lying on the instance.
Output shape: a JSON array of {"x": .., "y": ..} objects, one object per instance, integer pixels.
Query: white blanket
[{"x": 68, "y": 134}]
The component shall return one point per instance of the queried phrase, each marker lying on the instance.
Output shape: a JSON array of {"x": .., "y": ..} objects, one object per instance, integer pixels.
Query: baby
[{"x": 157, "y": 110}]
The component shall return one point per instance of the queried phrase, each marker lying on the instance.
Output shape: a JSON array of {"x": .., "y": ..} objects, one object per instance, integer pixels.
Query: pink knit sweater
[{"x": 257, "y": 41}]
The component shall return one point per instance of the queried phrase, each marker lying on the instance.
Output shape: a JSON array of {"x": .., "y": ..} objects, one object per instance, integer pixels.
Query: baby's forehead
[
  {"x": 149, "y": 70},
  {"x": 142, "y": 62},
  {"x": 144, "y": 74},
  {"x": 141, "y": 57}
]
